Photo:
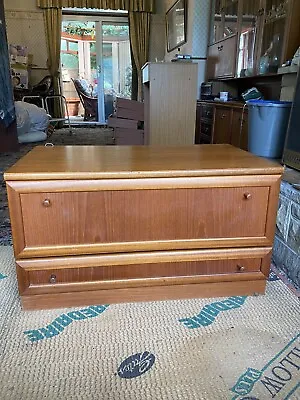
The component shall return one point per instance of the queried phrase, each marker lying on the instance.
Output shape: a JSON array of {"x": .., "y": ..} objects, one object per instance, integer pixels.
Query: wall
[
  {"x": 158, "y": 33},
  {"x": 25, "y": 26},
  {"x": 199, "y": 13}
]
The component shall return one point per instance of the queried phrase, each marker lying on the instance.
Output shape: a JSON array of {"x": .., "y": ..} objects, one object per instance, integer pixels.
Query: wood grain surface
[{"x": 100, "y": 162}]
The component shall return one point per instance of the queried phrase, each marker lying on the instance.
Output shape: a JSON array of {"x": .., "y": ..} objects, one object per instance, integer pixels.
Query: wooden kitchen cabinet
[
  {"x": 265, "y": 32},
  {"x": 99, "y": 225},
  {"x": 170, "y": 97},
  {"x": 221, "y": 58},
  {"x": 224, "y": 123},
  {"x": 231, "y": 125},
  {"x": 249, "y": 31},
  {"x": 204, "y": 122},
  {"x": 239, "y": 128},
  {"x": 280, "y": 29}
]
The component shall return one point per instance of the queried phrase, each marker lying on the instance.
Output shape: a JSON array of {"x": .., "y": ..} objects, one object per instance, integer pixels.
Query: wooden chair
[{"x": 89, "y": 103}]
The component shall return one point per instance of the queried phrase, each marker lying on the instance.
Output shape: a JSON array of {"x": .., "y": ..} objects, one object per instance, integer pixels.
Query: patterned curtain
[
  {"x": 53, "y": 17},
  {"x": 128, "y": 5}
]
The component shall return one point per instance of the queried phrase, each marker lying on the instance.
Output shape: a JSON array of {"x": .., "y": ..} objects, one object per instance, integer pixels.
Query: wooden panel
[
  {"x": 172, "y": 103},
  {"x": 221, "y": 61},
  {"x": 117, "y": 273},
  {"x": 136, "y": 108},
  {"x": 129, "y": 137},
  {"x": 227, "y": 49},
  {"x": 213, "y": 61},
  {"x": 185, "y": 291},
  {"x": 125, "y": 216},
  {"x": 114, "y": 122},
  {"x": 198, "y": 123},
  {"x": 103, "y": 162},
  {"x": 239, "y": 129},
  {"x": 222, "y": 125}
]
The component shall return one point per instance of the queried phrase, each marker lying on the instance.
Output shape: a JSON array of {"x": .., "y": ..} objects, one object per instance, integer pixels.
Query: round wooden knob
[
  {"x": 52, "y": 278},
  {"x": 247, "y": 196},
  {"x": 241, "y": 268},
  {"x": 46, "y": 203}
]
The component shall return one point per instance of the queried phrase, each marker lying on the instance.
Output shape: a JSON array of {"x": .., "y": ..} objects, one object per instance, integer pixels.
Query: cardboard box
[
  {"x": 129, "y": 109},
  {"x": 129, "y": 137},
  {"x": 114, "y": 122}
]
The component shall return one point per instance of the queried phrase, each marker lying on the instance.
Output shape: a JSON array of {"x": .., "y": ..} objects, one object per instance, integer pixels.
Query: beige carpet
[{"x": 237, "y": 348}]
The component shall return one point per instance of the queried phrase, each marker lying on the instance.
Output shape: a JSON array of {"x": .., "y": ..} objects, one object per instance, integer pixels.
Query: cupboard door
[
  {"x": 217, "y": 31},
  {"x": 222, "y": 125},
  {"x": 247, "y": 37},
  {"x": 221, "y": 60},
  {"x": 198, "y": 123},
  {"x": 213, "y": 61},
  {"x": 227, "y": 57},
  {"x": 230, "y": 15},
  {"x": 239, "y": 129}
]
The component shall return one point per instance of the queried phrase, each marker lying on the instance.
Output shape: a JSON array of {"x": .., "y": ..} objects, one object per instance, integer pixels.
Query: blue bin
[{"x": 267, "y": 126}]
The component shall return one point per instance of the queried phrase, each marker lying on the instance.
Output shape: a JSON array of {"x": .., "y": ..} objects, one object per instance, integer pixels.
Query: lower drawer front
[{"x": 60, "y": 278}]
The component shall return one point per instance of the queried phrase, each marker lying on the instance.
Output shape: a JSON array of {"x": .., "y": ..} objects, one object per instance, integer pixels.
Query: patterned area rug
[
  {"x": 237, "y": 348},
  {"x": 80, "y": 136}
]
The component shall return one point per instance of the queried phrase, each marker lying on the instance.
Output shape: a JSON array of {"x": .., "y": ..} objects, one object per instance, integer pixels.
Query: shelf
[{"x": 260, "y": 76}]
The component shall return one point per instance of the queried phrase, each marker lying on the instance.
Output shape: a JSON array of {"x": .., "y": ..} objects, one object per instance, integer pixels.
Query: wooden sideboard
[
  {"x": 106, "y": 224},
  {"x": 222, "y": 122},
  {"x": 170, "y": 96}
]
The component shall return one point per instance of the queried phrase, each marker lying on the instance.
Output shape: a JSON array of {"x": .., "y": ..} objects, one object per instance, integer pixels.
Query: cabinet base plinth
[{"x": 143, "y": 294}]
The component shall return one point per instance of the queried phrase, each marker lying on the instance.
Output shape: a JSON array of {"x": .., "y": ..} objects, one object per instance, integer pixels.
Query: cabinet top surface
[{"x": 116, "y": 162}]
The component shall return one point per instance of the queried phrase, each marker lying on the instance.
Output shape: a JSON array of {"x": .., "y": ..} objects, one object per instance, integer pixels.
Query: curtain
[
  {"x": 139, "y": 28},
  {"x": 139, "y": 31},
  {"x": 128, "y": 5},
  {"x": 53, "y": 18}
]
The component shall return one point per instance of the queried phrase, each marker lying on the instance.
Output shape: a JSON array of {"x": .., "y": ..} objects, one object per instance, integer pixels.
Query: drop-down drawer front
[
  {"x": 119, "y": 271},
  {"x": 91, "y": 217}
]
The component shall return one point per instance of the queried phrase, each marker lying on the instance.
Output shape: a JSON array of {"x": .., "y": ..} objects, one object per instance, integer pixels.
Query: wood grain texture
[
  {"x": 139, "y": 258},
  {"x": 132, "y": 216},
  {"x": 222, "y": 125},
  {"x": 142, "y": 294},
  {"x": 172, "y": 92},
  {"x": 146, "y": 224},
  {"x": 239, "y": 129},
  {"x": 221, "y": 58},
  {"x": 117, "y": 162}
]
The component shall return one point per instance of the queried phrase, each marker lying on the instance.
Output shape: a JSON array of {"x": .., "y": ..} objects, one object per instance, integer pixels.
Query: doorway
[{"x": 95, "y": 60}]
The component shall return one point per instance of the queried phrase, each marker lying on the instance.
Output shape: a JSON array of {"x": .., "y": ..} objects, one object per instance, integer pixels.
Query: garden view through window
[{"x": 95, "y": 54}]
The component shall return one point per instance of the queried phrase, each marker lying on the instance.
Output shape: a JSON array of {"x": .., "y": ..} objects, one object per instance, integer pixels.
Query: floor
[{"x": 91, "y": 135}]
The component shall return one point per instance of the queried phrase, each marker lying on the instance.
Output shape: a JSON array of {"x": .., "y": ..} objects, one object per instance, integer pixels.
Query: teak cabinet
[
  {"x": 222, "y": 123},
  {"x": 170, "y": 96},
  {"x": 244, "y": 30},
  {"x": 95, "y": 225}
]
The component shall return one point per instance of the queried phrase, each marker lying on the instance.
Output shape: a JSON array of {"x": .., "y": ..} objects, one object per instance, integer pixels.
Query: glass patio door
[{"x": 96, "y": 52}]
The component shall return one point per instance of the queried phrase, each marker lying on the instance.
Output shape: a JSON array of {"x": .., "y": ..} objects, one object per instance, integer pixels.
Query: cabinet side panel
[
  {"x": 173, "y": 96},
  {"x": 16, "y": 218}
]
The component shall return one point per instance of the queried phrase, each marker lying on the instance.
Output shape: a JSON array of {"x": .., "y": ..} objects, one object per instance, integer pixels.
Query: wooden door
[
  {"x": 213, "y": 61},
  {"x": 239, "y": 129},
  {"x": 222, "y": 125},
  {"x": 198, "y": 123},
  {"x": 227, "y": 59}
]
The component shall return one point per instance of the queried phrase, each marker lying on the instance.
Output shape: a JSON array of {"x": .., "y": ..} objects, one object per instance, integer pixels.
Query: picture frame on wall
[{"x": 176, "y": 23}]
